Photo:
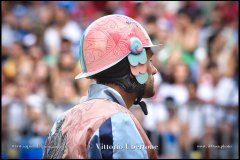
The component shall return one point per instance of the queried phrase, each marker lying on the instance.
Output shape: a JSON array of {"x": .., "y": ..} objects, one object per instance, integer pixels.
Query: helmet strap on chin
[
  {"x": 142, "y": 104},
  {"x": 138, "y": 66}
]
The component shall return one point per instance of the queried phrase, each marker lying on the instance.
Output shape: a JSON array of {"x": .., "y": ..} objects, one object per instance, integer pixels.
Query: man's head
[
  {"x": 120, "y": 74},
  {"x": 116, "y": 49}
]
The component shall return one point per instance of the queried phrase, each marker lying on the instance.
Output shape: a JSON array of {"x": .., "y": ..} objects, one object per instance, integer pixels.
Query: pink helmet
[{"x": 107, "y": 41}]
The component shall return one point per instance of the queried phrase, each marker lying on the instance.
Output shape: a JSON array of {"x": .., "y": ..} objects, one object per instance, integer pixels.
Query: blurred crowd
[{"x": 195, "y": 108}]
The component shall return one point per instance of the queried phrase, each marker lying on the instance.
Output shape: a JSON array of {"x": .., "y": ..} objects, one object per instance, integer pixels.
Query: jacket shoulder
[{"x": 82, "y": 121}]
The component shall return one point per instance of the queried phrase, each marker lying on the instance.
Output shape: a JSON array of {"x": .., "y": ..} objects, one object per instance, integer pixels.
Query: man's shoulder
[
  {"x": 95, "y": 108},
  {"x": 85, "y": 118},
  {"x": 92, "y": 111}
]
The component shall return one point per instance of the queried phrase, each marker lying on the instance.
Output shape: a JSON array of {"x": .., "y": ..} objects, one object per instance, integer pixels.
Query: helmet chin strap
[{"x": 142, "y": 104}]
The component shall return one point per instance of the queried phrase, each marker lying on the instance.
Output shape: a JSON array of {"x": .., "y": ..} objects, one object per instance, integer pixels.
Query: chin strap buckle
[{"x": 143, "y": 106}]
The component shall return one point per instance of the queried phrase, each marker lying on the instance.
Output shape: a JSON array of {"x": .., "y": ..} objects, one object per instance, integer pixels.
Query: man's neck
[{"x": 128, "y": 98}]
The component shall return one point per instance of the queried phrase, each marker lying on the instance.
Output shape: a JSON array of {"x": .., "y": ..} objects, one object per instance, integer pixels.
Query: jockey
[{"x": 116, "y": 52}]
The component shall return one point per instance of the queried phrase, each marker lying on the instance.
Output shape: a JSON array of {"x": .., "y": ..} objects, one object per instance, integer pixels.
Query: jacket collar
[{"x": 100, "y": 91}]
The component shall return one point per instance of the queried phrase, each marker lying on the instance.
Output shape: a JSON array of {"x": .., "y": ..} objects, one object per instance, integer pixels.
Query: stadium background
[{"x": 194, "y": 113}]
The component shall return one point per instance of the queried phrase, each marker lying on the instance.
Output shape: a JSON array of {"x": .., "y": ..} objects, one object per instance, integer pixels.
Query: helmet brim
[
  {"x": 155, "y": 48},
  {"x": 85, "y": 75}
]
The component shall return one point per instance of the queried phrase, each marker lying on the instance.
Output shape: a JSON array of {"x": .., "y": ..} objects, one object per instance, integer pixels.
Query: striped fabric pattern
[{"x": 116, "y": 138}]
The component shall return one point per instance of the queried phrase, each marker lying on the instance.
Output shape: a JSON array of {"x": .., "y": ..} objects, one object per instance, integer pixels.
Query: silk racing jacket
[{"x": 100, "y": 127}]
